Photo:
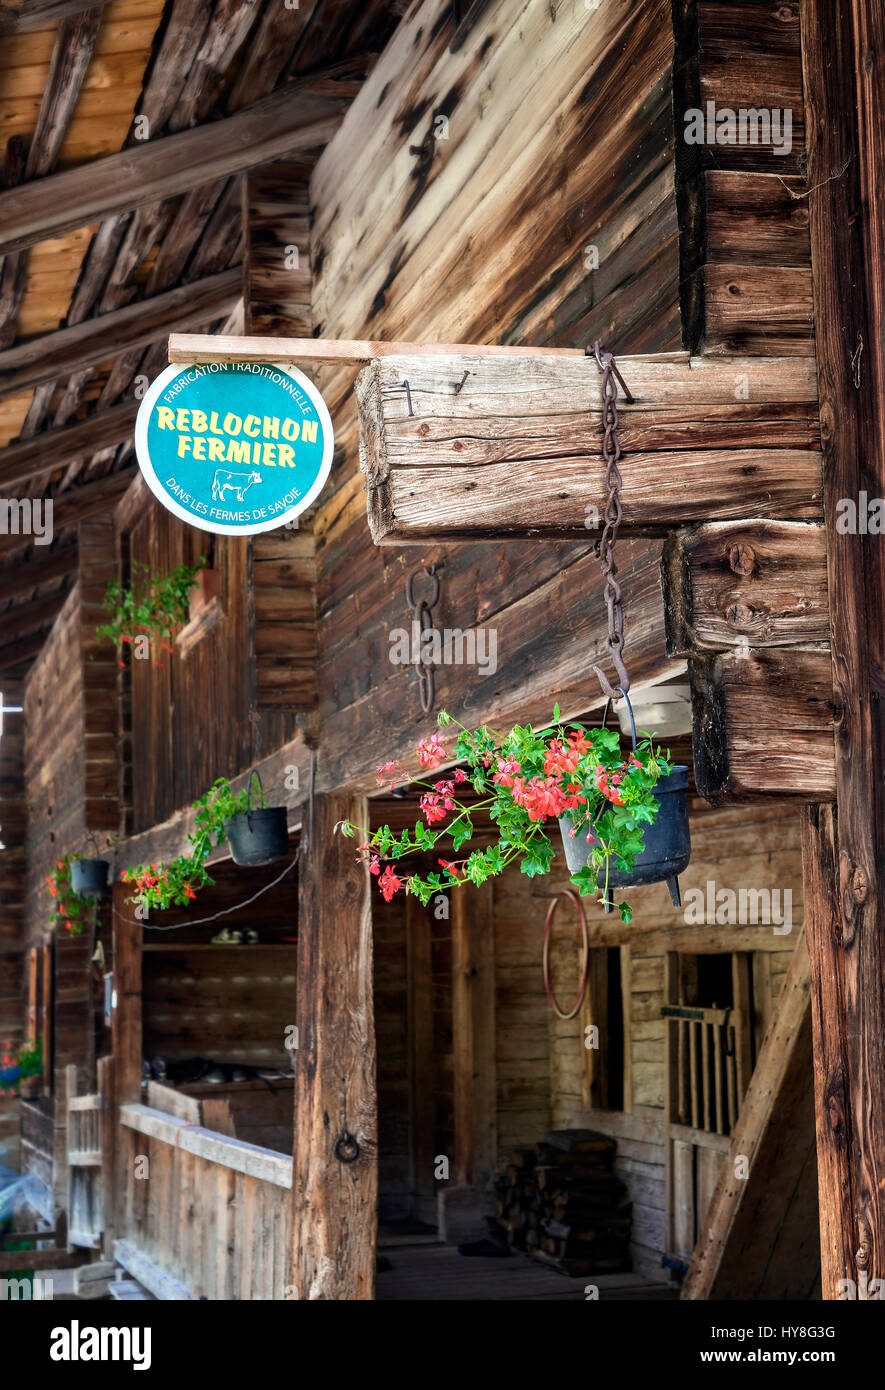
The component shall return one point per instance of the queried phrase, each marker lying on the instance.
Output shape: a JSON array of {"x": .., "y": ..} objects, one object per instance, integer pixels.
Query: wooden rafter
[
  {"x": 95, "y": 340},
  {"x": 75, "y": 505},
  {"x": 33, "y": 458},
  {"x": 303, "y": 114},
  {"x": 23, "y": 578}
]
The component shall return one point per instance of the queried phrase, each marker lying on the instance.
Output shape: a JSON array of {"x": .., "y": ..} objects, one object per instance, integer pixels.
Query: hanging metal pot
[
  {"x": 667, "y": 847},
  {"x": 258, "y": 835},
  {"x": 89, "y": 875}
]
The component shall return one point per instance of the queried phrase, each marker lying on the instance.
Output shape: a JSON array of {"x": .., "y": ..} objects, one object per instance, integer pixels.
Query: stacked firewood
[{"x": 561, "y": 1203}]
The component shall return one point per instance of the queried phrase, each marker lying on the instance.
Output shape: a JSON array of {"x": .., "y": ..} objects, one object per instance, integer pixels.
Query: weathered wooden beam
[
  {"x": 30, "y": 617},
  {"x": 546, "y": 643},
  {"x": 75, "y": 505},
  {"x": 94, "y": 340},
  {"x": 738, "y": 583},
  {"x": 843, "y": 51},
  {"x": 301, "y": 115},
  {"x": 20, "y": 16},
  {"x": 491, "y": 448},
  {"x": 17, "y": 653},
  {"x": 32, "y": 458},
  {"x": 763, "y": 725},
  {"x": 334, "y": 1204},
  {"x": 756, "y": 1241}
]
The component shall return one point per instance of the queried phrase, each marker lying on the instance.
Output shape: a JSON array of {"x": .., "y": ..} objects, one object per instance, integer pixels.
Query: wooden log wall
[
  {"x": 410, "y": 274},
  {"x": 190, "y": 713},
  {"x": 70, "y": 747},
  {"x": 227, "y": 1003},
  {"x": 746, "y": 252},
  {"x": 13, "y": 884}
]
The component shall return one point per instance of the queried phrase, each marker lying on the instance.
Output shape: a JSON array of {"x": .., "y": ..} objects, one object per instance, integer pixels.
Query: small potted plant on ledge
[
  {"x": 256, "y": 834},
  {"x": 152, "y": 608},
  {"x": 605, "y": 806},
  {"x": 22, "y": 1070}
]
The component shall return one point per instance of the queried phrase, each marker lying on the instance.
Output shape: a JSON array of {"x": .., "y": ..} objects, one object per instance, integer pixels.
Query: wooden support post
[
  {"x": 843, "y": 50},
  {"x": 46, "y": 955},
  {"x": 473, "y": 1029},
  {"x": 422, "y": 1101},
  {"x": 108, "y": 1135},
  {"x": 334, "y": 1203},
  {"x": 126, "y": 1028}
]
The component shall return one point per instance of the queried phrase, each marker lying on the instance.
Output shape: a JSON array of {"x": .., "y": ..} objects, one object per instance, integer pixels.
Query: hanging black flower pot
[
  {"x": 667, "y": 847},
  {"x": 667, "y": 843},
  {"x": 89, "y": 875},
  {"x": 258, "y": 836}
]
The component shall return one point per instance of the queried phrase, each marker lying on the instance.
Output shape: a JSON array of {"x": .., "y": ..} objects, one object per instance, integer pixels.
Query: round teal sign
[{"x": 234, "y": 448}]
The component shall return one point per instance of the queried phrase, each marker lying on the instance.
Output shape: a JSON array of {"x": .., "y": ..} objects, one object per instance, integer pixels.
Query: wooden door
[{"x": 709, "y": 1059}]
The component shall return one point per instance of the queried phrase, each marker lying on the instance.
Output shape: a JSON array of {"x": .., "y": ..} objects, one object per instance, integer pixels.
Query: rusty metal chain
[
  {"x": 611, "y": 452},
  {"x": 421, "y": 613}
]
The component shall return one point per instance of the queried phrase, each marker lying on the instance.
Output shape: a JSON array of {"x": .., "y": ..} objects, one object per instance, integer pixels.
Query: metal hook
[
  {"x": 606, "y": 360},
  {"x": 616, "y": 692}
]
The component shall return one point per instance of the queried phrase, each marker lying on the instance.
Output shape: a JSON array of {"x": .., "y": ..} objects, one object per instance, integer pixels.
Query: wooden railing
[
  {"x": 709, "y": 1054},
  {"x": 201, "y": 1215},
  {"x": 89, "y": 1141}
]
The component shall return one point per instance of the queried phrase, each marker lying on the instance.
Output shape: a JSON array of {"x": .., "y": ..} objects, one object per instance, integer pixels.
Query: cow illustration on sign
[{"x": 240, "y": 482}]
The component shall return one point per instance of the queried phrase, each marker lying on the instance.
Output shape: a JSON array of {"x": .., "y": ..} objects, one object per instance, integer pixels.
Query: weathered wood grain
[
  {"x": 441, "y": 458},
  {"x": 334, "y": 1204},
  {"x": 843, "y": 52},
  {"x": 763, "y": 725},
  {"x": 762, "y": 583}
]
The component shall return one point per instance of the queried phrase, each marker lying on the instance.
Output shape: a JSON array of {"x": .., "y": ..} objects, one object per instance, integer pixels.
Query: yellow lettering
[
  {"x": 199, "y": 421},
  {"x": 267, "y": 455},
  {"x": 232, "y": 423},
  {"x": 165, "y": 417},
  {"x": 182, "y": 418},
  {"x": 271, "y": 427},
  {"x": 251, "y": 425},
  {"x": 287, "y": 456},
  {"x": 199, "y": 448},
  {"x": 184, "y": 443},
  {"x": 237, "y": 452},
  {"x": 309, "y": 431},
  {"x": 290, "y": 429},
  {"x": 216, "y": 450}
]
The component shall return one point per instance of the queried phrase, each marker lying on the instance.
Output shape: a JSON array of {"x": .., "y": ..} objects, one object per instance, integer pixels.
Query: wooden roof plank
[{"x": 303, "y": 114}]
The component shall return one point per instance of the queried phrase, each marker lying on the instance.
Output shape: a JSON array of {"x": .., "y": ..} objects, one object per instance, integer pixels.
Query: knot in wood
[
  {"x": 863, "y": 1256},
  {"x": 742, "y": 558},
  {"x": 424, "y": 428},
  {"x": 860, "y": 886},
  {"x": 738, "y": 614}
]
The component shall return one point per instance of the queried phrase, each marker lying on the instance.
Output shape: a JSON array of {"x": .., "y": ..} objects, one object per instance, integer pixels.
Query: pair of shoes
[
  {"x": 250, "y": 937},
  {"x": 237, "y": 1074},
  {"x": 228, "y": 937},
  {"x": 215, "y": 1076}
]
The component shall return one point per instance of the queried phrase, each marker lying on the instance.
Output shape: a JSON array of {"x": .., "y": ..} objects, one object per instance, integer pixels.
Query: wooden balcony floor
[{"x": 437, "y": 1273}]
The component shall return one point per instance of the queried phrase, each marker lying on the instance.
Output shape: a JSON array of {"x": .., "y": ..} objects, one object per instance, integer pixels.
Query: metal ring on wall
[{"x": 585, "y": 969}]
